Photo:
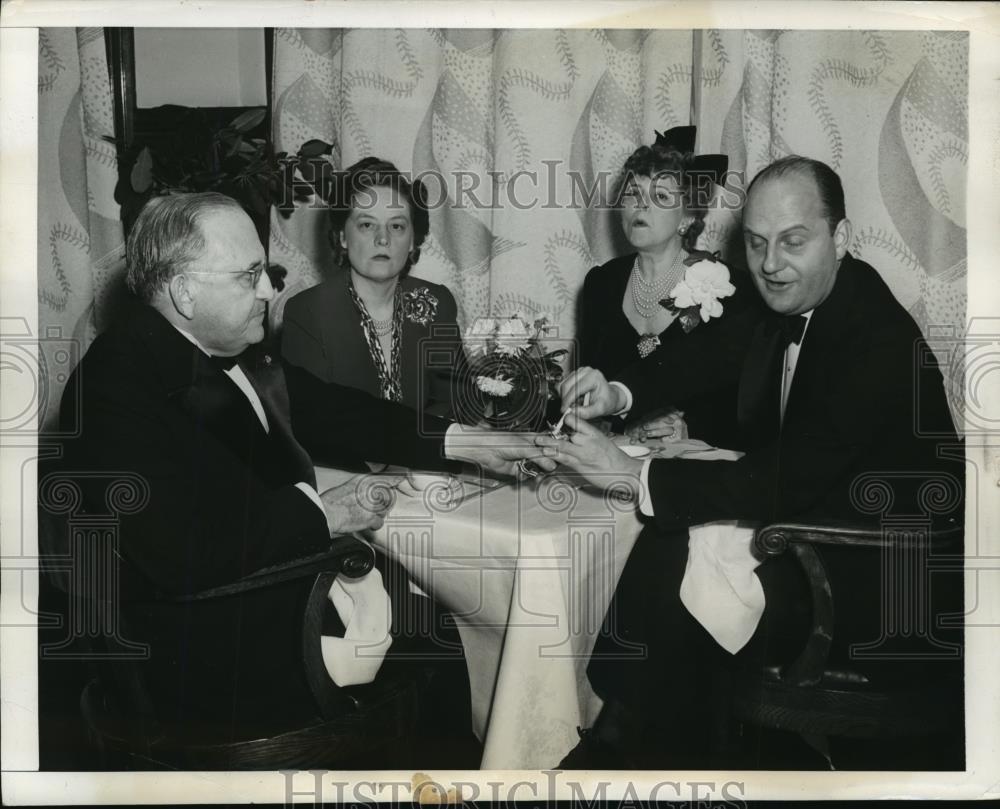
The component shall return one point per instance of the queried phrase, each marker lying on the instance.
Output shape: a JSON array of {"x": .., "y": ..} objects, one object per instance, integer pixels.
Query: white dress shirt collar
[
  {"x": 791, "y": 361},
  {"x": 239, "y": 379}
]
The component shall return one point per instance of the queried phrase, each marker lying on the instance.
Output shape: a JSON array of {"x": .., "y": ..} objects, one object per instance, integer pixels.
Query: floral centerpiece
[{"x": 514, "y": 378}]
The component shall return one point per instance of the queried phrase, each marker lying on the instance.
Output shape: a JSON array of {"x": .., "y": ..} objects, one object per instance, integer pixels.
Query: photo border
[{"x": 19, "y": 304}]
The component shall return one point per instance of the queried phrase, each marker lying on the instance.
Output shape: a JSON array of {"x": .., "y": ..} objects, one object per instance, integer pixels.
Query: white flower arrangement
[
  {"x": 698, "y": 298},
  {"x": 512, "y": 370},
  {"x": 513, "y": 336},
  {"x": 478, "y": 336}
]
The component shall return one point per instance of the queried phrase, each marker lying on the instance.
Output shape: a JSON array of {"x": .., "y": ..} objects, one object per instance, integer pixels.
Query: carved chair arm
[
  {"x": 801, "y": 541},
  {"x": 774, "y": 540},
  {"x": 347, "y": 555}
]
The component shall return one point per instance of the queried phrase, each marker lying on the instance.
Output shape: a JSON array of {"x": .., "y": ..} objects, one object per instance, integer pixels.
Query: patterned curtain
[
  {"x": 80, "y": 252},
  {"x": 483, "y": 108},
  {"x": 531, "y": 121},
  {"x": 888, "y": 110}
]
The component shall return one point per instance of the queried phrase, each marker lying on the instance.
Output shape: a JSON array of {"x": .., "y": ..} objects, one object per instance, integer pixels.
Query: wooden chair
[
  {"x": 120, "y": 725},
  {"x": 359, "y": 721},
  {"x": 821, "y": 700}
]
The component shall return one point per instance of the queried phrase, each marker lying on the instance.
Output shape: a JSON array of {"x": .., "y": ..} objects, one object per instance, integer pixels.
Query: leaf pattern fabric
[
  {"x": 80, "y": 249},
  {"x": 484, "y": 108},
  {"x": 888, "y": 110},
  {"x": 545, "y": 115}
]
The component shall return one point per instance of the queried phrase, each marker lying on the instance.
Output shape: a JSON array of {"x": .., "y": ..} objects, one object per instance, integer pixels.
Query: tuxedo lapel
[
  {"x": 810, "y": 369},
  {"x": 217, "y": 407},
  {"x": 213, "y": 401},
  {"x": 267, "y": 377},
  {"x": 758, "y": 407},
  {"x": 200, "y": 389},
  {"x": 830, "y": 321}
]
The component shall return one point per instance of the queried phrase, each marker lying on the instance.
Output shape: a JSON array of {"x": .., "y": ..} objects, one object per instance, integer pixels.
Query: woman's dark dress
[
  {"x": 607, "y": 341},
  {"x": 322, "y": 333}
]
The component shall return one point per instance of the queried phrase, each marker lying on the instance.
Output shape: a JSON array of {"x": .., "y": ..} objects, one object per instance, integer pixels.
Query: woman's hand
[
  {"x": 605, "y": 398},
  {"x": 497, "y": 452},
  {"x": 593, "y": 455},
  {"x": 665, "y": 427}
]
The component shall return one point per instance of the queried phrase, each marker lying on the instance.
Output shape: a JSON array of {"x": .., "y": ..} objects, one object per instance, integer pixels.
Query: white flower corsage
[{"x": 698, "y": 298}]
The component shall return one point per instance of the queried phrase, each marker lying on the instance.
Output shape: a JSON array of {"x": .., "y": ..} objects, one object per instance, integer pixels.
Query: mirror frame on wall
[
  {"x": 173, "y": 143},
  {"x": 130, "y": 119}
]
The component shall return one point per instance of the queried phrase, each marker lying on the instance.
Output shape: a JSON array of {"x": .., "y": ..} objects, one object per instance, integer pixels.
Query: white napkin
[
  {"x": 720, "y": 588},
  {"x": 363, "y": 605}
]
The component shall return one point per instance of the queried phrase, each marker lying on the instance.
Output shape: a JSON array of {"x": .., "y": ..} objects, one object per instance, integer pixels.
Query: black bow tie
[
  {"x": 223, "y": 363},
  {"x": 789, "y": 327}
]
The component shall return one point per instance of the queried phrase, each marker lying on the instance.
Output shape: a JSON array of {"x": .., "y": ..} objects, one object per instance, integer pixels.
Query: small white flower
[
  {"x": 705, "y": 284},
  {"x": 507, "y": 348},
  {"x": 478, "y": 335},
  {"x": 494, "y": 386},
  {"x": 513, "y": 336},
  {"x": 514, "y": 327}
]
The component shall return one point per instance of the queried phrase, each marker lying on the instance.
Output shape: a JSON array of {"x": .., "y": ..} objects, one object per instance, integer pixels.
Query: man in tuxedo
[
  {"x": 834, "y": 384},
  {"x": 179, "y": 393}
]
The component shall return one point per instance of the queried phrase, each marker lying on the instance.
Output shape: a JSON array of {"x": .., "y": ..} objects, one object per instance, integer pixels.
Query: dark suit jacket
[
  {"x": 867, "y": 397},
  {"x": 222, "y": 504},
  {"x": 322, "y": 333},
  {"x": 607, "y": 342}
]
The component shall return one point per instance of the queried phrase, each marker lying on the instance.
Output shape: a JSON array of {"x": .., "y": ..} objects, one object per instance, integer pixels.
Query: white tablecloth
[{"x": 528, "y": 571}]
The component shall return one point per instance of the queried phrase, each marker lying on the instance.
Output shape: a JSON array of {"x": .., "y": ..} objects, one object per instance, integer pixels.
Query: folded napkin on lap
[
  {"x": 720, "y": 588},
  {"x": 363, "y": 606}
]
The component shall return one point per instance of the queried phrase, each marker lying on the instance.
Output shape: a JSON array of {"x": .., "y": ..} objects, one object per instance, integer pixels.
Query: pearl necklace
[
  {"x": 646, "y": 297},
  {"x": 383, "y": 328}
]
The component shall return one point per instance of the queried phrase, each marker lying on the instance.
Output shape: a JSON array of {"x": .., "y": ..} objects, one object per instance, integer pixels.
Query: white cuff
[
  {"x": 449, "y": 440},
  {"x": 464, "y": 443},
  {"x": 628, "y": 398},
  {"x": 312, "y": 494},
  {"x": 646, "y": 501}
]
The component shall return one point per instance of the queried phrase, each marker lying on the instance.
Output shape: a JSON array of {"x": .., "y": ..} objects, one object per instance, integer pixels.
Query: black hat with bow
[{"x": 681, "y": 139}]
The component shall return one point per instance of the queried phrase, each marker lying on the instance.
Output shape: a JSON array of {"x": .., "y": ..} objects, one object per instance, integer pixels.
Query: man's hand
[
  {"x": 361, "y": 502},
  {"x": 498, "y": 452},
  {"x": 605, "y": 399},
  {"x": 442, "y": 485},
  {"x": 664, "y": 427},
  {"x": 594, "y": 456}
]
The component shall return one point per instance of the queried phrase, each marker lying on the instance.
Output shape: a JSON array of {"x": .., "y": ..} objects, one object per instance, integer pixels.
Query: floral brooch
[
  {"x": 698, "y": 298},
  {"x": 419, "y": 306}
]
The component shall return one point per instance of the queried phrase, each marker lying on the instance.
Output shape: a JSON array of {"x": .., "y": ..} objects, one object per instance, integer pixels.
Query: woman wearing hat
[{"x": 667, "y": 292}]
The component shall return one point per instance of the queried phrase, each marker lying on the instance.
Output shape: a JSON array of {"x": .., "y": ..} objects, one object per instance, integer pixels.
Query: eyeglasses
[{"x": 248, "y": 278}]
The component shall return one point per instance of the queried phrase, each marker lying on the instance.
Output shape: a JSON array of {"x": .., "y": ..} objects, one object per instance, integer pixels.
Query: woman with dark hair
[
  {"x": 667, "y": 291},
  {"x": 370, "y": 325}
]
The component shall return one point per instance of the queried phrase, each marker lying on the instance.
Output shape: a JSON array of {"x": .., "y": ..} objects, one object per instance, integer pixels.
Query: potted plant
[{"x": 196, "y": 153}]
